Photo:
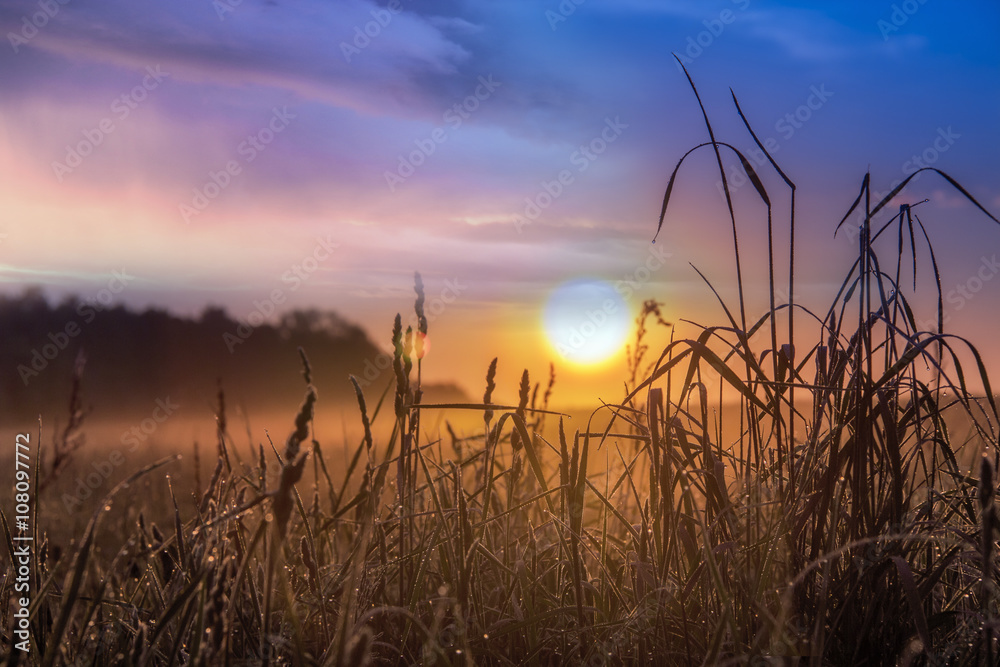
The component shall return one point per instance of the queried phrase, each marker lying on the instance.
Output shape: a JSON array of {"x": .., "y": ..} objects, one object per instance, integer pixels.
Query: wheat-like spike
[
  {"x": 491, "y": 374},
  {"x": 365, "y": 422},
  {"x": 398, "y": 352},
  {"x": 418, "y": 306},
  {"x": 210, "y": 491},
  {"x": 522, "y": 405},
  {"x": 293, "y": 464},
  {"x": 311, "y": 570},
  {"x": 408, "y": 351},
  {"x": 306, "y": 368},
  {"x": 548, "y": 388}
]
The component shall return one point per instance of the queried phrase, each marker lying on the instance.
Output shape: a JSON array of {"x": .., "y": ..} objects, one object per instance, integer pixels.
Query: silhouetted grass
[{"x": 840, "y": 527}]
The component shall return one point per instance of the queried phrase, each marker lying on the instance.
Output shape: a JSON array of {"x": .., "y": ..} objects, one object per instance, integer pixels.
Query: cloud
[
  {"x": 250, "y": 46},
  {"x": 455, "y": 24},
  {"x": 804, "y": 34},
  {"x": 948, "y": 199}
]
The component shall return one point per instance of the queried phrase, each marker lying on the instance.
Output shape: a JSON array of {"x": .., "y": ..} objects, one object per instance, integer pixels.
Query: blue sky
[{"x": 884, "y": 81}]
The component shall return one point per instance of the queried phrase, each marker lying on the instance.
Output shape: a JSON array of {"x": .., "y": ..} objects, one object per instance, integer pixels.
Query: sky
[{"x": 264, "y": 155}]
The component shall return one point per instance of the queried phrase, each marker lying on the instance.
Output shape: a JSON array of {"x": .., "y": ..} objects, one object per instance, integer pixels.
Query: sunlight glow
[{"x": 586, "y": 321}]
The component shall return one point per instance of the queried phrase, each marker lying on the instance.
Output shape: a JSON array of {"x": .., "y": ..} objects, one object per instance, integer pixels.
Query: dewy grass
[{"x": 844, "y": 523}]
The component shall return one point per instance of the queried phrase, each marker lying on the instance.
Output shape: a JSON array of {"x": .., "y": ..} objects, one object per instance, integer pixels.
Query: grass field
[{"x": 851, "y": 520}]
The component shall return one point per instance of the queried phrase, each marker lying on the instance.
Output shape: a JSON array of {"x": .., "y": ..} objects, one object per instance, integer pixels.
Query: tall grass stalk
[{"x": 837, "y": 517}]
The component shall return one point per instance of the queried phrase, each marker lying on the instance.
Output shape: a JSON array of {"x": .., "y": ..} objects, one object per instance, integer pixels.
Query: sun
[{"x": 586, "y": 321}]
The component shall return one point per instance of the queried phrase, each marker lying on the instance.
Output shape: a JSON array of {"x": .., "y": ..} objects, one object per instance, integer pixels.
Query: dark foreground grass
[{"x": 841, "y": 527}]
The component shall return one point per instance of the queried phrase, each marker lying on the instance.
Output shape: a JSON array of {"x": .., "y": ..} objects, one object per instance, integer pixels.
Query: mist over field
[{"x": 617, "y": 332}]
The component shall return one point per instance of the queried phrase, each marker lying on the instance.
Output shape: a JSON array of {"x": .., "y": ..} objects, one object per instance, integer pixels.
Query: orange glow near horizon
[
  {"x": 445, "y": 149},
  {"x": 586, "y": 322}
]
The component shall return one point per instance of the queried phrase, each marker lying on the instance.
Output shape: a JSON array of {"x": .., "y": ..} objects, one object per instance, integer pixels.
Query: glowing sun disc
[{"x": 586, "y": 321}]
